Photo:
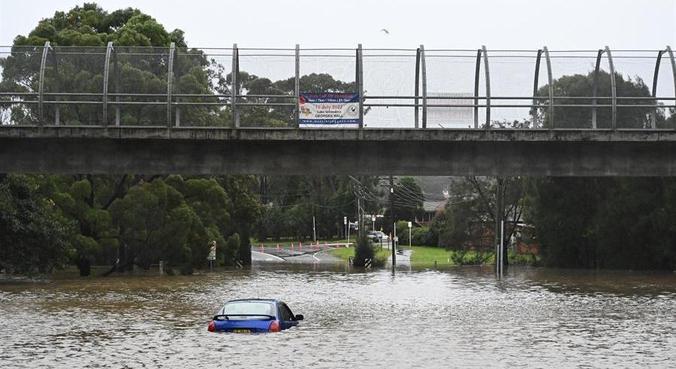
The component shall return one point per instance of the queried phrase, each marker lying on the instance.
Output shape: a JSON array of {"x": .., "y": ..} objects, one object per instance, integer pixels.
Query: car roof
[{"x": 254, "y": 300}]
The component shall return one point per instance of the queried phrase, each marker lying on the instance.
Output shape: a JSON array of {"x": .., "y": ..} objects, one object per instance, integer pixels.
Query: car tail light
[
  {"x": 274, "y": 326},
  {"x": 212, "y": 326}
]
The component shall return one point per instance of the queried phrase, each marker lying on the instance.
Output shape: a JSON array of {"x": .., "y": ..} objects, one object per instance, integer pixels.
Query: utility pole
[
  {"x": 358, "y": 218},
  {"x": 394, "y": 257},
  {"x": 314, "y": 229},
  {"x": 348, "y": 233},
  {"x": 499, "y": 208}
]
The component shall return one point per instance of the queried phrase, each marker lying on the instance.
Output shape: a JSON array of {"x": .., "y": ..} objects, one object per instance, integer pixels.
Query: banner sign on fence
[{"x": 328, "y": 110}]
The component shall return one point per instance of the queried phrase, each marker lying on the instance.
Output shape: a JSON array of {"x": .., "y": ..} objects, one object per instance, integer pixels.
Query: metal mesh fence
[
  {"x": 19, "y": 96},
  {"x": 399, "y": 88}
]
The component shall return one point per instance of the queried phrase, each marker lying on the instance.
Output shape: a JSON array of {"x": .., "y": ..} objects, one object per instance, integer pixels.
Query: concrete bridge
[
  {"x": 51, "y": 126},
  {"x": 293, "y": 151}
]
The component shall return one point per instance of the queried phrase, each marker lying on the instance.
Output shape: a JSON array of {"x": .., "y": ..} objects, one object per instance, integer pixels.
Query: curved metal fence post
[
  {"x": 116, "y": 78},
  {"x": 57, "y": 84},
  {"x": 360, "y": 83},
  {"x": 177, "y": 110},
  {"x": 673, "y": 66},
  {"x": 595, "y": 86},
  {"x": 170, "y": 81},
  {"x": 613, "y": 89},
  {"x": 416, "y": 90},
  {"x": 487, "y": 74},
  {"x": 423, "y": 68},
  {"x": 477, "y": 70},
  {"x": 536, "y": 77},
  {"x": 106, "y": 74},
  {"x": 41, "y": 84},
  {"x": 653, "y": 114},
  {"x": 550, "y": 83},
  {"x": 296, "y": 85},
  {"x": 235, "y": 88}
]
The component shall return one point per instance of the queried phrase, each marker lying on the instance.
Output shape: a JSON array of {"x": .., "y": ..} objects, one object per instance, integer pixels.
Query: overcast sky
[{"x": 560, "y": 24}]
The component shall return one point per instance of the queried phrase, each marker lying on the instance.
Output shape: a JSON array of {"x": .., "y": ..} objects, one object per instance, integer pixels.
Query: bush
[
  {"x": 464, "y": 257},
  {"x": 363, "y": 252},
  {"x": 420, "y": 236},
  {"x": 423, "y": 236},
  {"x": 523, "y": 259}
]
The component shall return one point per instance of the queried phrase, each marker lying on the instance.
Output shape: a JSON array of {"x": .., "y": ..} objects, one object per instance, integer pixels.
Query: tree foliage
[
  {"x": 575, "y": 86},
  {"x": 407, "y": 199},
  {"x": 127, "y": 219},
  {"x": 33, "y": 234},
  {"x": 604, "y": 222},
  {"x": 475, "y": 205}
]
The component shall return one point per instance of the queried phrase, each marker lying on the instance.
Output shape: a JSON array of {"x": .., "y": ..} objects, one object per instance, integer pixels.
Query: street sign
[{"x": 212, "y": 251}]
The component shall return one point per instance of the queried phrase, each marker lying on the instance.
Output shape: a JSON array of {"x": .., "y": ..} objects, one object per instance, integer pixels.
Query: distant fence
[{"x": 397, "y": 88}]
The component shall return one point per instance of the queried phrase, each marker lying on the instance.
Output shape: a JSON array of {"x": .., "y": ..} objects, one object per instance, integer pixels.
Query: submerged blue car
[{"x": 253, "y": 316}]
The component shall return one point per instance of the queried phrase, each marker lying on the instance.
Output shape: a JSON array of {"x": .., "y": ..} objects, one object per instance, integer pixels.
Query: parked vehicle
[
  {"x": 378, "y": 237},
  {"x": 253, "y": 316}
]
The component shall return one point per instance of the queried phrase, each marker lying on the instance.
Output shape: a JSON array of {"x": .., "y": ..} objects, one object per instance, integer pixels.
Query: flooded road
[{"x": 461, "y": 317}]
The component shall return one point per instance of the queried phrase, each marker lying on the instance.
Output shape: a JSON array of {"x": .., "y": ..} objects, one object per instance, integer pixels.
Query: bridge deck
[
  {"x": 337, "y": 134},
  {"x": 532, "y": 152}
]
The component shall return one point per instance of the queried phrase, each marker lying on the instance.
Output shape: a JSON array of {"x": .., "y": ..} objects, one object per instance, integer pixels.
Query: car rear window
[{"x": 248, "y": 307}]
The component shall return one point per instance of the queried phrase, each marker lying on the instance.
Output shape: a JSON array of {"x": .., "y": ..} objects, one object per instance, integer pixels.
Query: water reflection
[{"x": 460, "y": 317}]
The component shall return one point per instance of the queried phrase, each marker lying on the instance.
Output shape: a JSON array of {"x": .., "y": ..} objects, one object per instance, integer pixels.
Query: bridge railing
[{"x": 418, "y": 87}]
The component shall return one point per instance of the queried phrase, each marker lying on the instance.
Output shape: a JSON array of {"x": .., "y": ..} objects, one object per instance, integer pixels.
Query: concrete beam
[{"x": 209, "y": 151}]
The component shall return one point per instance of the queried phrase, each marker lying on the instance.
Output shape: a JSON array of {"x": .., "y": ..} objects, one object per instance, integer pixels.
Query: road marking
[{"x": 266, "y": 254}]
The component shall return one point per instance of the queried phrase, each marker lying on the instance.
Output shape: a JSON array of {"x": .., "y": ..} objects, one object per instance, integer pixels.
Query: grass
[
  {"x": 343, "y": 252},
  {"x": 347, "y": 252},
  {"x": 421, "y": 256},
  {"x": 425, "y": 255}
]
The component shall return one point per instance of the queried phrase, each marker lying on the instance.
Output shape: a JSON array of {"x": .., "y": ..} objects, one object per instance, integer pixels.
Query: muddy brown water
[{"x": 459, "y": 317}]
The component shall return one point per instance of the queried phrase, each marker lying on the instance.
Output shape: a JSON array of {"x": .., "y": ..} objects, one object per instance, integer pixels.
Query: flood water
[{"x": 461, "y": 317}]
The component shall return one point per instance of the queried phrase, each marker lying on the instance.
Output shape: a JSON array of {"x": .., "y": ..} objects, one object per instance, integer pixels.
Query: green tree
[
  {"x": 408, "y": 199},
  {"x": 245, "y": 211},
  {"x": 156, "y": 223},
  {"x": 475, "y": 206},
  {"x": 578, "y": 85},
  {"x": 604, "y": 222},
  {"x": 564, "y": 210},
  {"x": 76, "y": 64},
  {"x": 210, "y": 202},
  {"x": 33, "y": 234},
  {"x": 291, "y": 202},
  {"x": 80, "y": 200}
]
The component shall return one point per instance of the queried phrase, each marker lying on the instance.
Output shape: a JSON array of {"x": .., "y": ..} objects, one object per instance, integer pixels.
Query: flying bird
[{"x": 386, "y": 31}]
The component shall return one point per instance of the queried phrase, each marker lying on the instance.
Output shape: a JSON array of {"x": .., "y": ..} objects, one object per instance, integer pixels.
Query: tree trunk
[{"x": 244, "y": 246}]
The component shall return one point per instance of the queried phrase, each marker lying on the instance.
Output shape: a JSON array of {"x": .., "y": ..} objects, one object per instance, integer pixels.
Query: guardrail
[{"x": 178, "y": 86}]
